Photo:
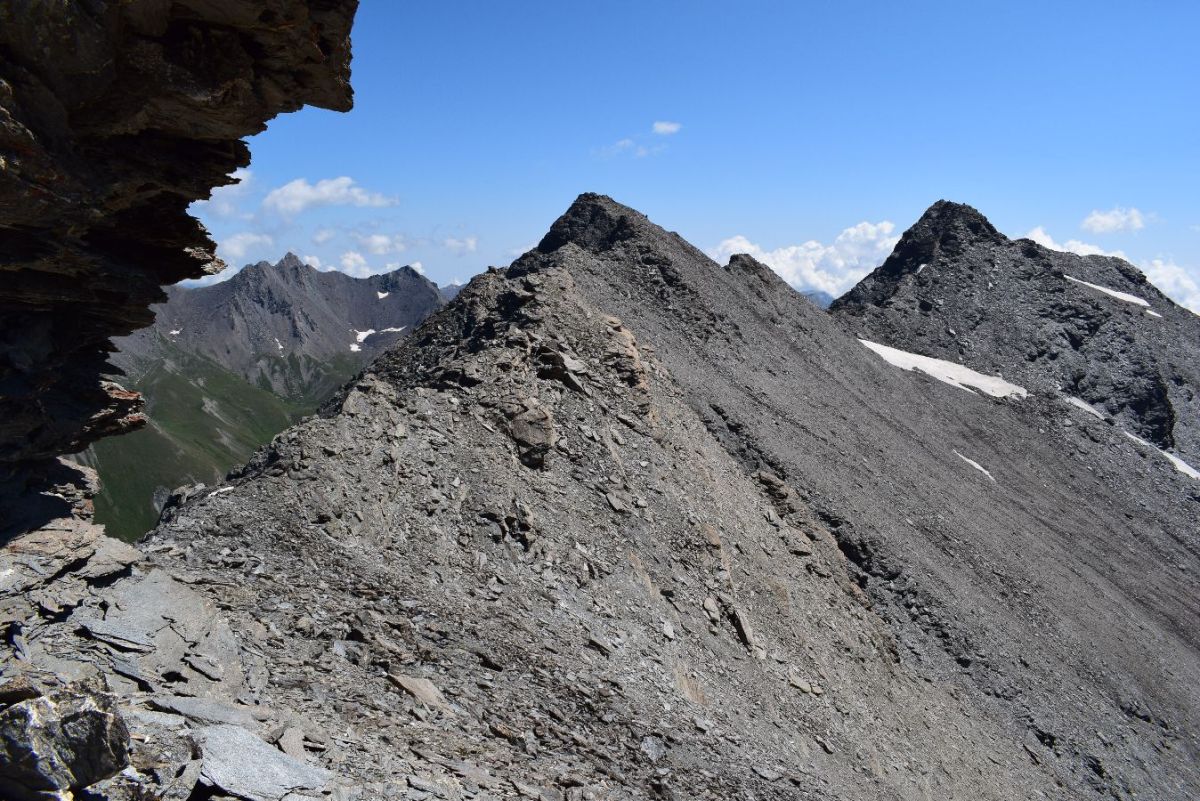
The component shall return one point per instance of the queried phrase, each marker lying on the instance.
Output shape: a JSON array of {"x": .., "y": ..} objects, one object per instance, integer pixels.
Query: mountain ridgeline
[
  {"x": 621, "y": 522},
  {"x": 1090, "y": 328},
  {"x": 225, "y": 367}
]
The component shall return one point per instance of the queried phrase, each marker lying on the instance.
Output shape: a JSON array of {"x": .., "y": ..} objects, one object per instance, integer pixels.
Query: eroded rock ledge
[{"x": 114, "y": 117}]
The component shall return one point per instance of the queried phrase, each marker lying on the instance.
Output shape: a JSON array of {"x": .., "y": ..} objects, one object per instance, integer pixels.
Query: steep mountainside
[
  {"x": 114, "y": 117},
  {"x": 226, "y": 367},
  {"x": 287, "y": 328},
  {"x": 623, "y": 522},
  {"x": 1003, "y": 581},
  {"x": 1089, "y": 327},
  {"x": 203, "y": 420}
]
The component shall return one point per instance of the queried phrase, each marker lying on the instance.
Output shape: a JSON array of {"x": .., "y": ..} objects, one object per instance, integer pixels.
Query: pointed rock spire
[
  {"x": 946, "y": 228},
  {"x": 593, "y": 222}
]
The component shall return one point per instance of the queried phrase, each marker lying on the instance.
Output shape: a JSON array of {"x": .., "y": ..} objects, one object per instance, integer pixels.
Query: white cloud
[
  {"x": 418, "y": 268},
  {"x": 663, "y": 128},
  {"x": 629, "y": 147},
  {"x": 225, "y": 201},
  {"x": 618, "y": 147},
  {"x": 313, "y": 261},
  {"x": 355, "y": 264},
  {"x": 381, "y": 244},
  {"x": 323, "y": 235},
  {"x": 296, "y": 196},
  {"x": 1044, "y": 239},
  {"x": 467, "y": 244},
  {"x": 237, "y": 246},
  {"x": 831, "y": 268},
  {"x": 1175, "y": 282},
  {"x": 1118, "y": 219}
]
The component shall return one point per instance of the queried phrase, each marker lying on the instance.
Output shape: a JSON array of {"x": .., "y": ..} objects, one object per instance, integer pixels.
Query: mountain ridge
[
  {"x": 932, "y": 497},
  {"x": 620, "y": 521}
]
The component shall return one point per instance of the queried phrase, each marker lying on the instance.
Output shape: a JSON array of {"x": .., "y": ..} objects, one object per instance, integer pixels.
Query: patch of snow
[
  {"x": 976, "y": 465},
  {"x": 1153, "y": 313},
  {"x": 1082, "y": 404},
  {"x": 1180, "y": 465},
  {"x": 175, "y": 332},
  {"x": 278, "y": 344},
  {"x": 382, "y": 295},
  {"x": 1125, "y": 296},
  {"x": 392, "y": 330},
  {"x": 955, "y": 375},
  {"x": 354, "y": 346},
  {"x": 222, "y": 489},
  {"x": 362, "y": 335},
  {"x": 920, "y": 269}
]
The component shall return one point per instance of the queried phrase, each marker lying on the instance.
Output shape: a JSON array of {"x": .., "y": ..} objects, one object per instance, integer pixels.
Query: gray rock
[
  {"x": 241, "y": 764},
  {"x": 62, "y": 741}
]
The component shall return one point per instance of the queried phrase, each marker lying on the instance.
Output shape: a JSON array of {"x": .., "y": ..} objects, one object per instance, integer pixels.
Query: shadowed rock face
[{"x": 114, "y": 117}]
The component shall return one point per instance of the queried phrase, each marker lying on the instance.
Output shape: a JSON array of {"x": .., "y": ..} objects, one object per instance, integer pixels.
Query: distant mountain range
[{"x": 226, "y": 367}]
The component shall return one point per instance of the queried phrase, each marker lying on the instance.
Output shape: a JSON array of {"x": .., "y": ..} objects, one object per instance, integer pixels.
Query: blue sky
[{"x": 808, "y": 134}]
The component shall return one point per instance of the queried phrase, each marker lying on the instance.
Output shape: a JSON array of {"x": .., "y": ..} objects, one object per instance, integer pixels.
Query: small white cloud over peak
[
  {"x": 831, "y": 268},
  {"x": 418, "y": 268},
  {"x": 458, "y": 247},
  {"x": 235, "y": 248},
  {"x": 323, "y": 235},
  {"x": 629, "y": 147},
  {"x": 456, "y": 282},
  {"x": 665, "y": 128},
  {"x": 381, "y": 244},
  {"x": 312, "y": 261},
  {"x": 355, "y": 264},
  {"x": 1175, "y": 282},
  {"x": 299, "y": 195},
  {"x": 1044, "y": 239},
  {"x": 1118, "y": 219}
]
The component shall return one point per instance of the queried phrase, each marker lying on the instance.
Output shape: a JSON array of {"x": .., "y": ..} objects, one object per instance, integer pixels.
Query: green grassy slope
[{"x": 204, "y": 420}]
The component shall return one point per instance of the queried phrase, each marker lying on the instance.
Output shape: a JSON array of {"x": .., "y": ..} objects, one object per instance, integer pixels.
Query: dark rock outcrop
[
  {"x": 58, "y": 741},
  {"x": 114, "y": 117}
]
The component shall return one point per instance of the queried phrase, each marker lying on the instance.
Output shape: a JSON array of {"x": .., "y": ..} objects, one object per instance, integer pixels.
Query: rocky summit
[
  {"x": 1091, "y": 328},
  {"x": 622, "y": 522},
  {"x": 114, "y": 117}
]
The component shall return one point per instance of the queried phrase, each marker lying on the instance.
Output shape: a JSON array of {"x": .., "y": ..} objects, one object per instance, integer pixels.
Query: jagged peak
[
  {"x": 745, "y": 264},
  {"x": 594, "y": 222},
  {"x": 945, "y": 229},
  {"x": 945, "y": 215},
  {"x": 291, "y": 261},
  {"x": 394, "y": 278}
]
